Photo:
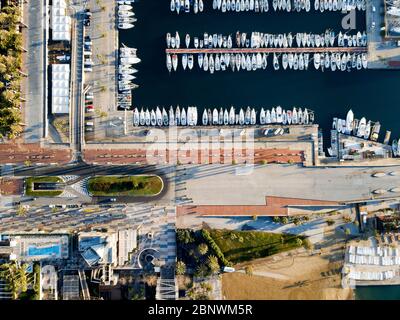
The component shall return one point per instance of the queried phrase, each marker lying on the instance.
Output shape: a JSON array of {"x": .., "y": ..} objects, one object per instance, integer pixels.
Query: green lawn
[
  {"x": 240, "y": 246},
  {"x": 34, "y": 193},
  {"x": 125, "y": 186}
]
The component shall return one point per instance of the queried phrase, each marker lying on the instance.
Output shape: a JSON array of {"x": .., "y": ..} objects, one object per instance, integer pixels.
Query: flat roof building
[
  {"x": 37, "y": 247},
  {"x": 111, "y": 248}
]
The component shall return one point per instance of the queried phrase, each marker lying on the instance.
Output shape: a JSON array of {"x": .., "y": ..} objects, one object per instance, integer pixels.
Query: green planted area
[
  {"x": 240, "y": 246},
  {"x": 125, "y": 186},
  {"x": 30, "y": 191}
]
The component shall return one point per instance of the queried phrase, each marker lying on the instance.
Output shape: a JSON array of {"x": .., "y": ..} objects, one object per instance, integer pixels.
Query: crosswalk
[
  {"x": 81, "y": 187},
  {"x": 5, "y": 294}
]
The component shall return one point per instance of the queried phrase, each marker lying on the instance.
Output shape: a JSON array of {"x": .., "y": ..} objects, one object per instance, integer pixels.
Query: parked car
[{"x": 89, "y": 124}]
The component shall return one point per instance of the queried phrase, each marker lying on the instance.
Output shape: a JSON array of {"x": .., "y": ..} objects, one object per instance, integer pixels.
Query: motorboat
[{"x": 361, "y": 127}]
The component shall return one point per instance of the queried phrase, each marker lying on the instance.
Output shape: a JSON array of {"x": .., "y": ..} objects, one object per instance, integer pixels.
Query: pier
[{"x": 266, "y": 50}]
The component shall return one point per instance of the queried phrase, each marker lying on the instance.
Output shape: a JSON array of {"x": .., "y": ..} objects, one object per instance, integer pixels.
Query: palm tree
[
  {"x": 16, "y": 278},
  {"x": 202, "y": 249},
  {"x": 180, "y": 268}
]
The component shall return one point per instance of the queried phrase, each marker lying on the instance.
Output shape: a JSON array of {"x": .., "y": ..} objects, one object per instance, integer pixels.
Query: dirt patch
[
  {"x": 291, "y": 277},
  {"x": 11, "y": 186}
]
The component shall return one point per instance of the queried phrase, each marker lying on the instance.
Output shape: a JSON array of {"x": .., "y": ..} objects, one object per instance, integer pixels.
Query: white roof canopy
[
  {"x": 60, "y": 88},
  {"x": 60, "y": 22}
]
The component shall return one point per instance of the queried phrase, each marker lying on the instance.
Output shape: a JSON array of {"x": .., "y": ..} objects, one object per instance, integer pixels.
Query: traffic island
[
  {"x": 44, "y": 186},
  {"x": 125, "y": 186}
]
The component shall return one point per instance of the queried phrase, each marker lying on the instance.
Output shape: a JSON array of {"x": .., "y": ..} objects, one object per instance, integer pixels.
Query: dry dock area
[{"x": 373, "y": 262}]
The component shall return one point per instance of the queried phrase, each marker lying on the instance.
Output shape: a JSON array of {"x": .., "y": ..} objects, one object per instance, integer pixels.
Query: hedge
[{"x": 211, "y": 243}]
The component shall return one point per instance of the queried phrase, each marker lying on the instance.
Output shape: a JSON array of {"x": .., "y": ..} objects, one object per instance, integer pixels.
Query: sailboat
[
  {"x": 267, "y": 117},
  {"x": 262, "y": 116},
  {"x": 159, "y": 117},
  {"x": 241, "y": 117},
  {"x": 183, "y": 117},
  {"x": 232, "y": 116},
  {"x": 349, "y": 121},
  {"x": 165, "y": 117},
  {"x": 205, "y": 117},
  {"x": 178, "y": 116},
  {"x": 153, "y": 119},
  {"x": 171, "y": 116},
  {"x": 142, "y": 119},
  {"x": 215, "y": 117},
  {"x": 136, "y": 117},
  {"x": 226, "y": 117}
]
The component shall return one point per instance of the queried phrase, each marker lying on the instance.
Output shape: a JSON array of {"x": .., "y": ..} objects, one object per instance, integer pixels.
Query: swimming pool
[{"x": 53, "y": 250}]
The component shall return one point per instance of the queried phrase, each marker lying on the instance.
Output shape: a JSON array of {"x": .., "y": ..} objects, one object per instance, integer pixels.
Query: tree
[
  {"x": 202, "y": 249},
  {"x": 180, "y": 268},
  {"x": 299, "y": 242},
  {"x": 213, "y": 264},
  {"x": 201, "y": 271},
  {"x": 184, "y": 236},
  {"x": 21, "y": 210},
  {"x": 15, "y": 277},
  {"x": 285, "y": 220}
]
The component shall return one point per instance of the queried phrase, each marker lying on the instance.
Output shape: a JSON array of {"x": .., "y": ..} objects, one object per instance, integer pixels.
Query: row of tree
[{"x": 11, "y": 50}]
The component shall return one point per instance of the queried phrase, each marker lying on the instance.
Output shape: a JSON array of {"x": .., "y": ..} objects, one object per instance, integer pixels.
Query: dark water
[
  {"x": 378, "y": 293},
  {"x": 369, "y": 93}
]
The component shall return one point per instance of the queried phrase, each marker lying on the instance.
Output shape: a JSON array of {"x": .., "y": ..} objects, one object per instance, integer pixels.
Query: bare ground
[{"x": 297, "y": 275}]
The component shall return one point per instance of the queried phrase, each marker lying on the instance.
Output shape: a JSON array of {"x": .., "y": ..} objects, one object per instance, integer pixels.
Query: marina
[{"x": 344, "y": 50}]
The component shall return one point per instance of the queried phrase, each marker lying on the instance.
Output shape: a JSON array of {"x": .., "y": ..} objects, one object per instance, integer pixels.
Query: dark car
[{"x": 86, "y": 22}]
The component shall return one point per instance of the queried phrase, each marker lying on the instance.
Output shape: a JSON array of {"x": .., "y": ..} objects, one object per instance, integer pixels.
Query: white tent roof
[
  {"x": 60, "y": 88},
  {"x": 60, "y": 22}
]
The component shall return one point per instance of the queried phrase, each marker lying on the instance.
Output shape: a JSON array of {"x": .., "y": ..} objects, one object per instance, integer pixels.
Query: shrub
[
  {"x": 330, "y": 222},
  {"x": 249, "y": 270}
]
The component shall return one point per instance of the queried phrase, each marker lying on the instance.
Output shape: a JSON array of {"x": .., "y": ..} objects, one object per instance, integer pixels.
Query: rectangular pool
[{"x": 54, "y": 250}]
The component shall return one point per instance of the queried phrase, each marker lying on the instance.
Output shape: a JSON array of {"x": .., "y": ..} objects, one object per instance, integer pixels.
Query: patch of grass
[
  {"x": 240, "y": 246},
  {"x": 125, "y": 185},
  {"x": 41, "y": 193}
]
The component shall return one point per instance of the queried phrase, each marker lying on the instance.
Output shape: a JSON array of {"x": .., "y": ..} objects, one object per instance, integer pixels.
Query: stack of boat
[
  {"x": 127, "y": 58},
  {"x": 359, "y": 128},
  {"x": 288, "y": 5},
  {"x": 215, "y": 117},
  {"x": 126, "y": 17},
  {"x": 162, "y": 118},
  {"x": 240, "y": 6},
  {"x": 257, "y": 40},
  {"x": 186, "y": 6},
  {"x": 354, "y": 60},
  {"x": 257, "y": 61}
]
